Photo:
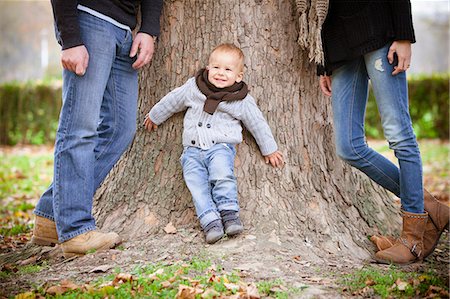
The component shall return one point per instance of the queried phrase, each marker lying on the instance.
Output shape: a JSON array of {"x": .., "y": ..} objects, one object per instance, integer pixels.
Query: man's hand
[
  {"x": 325, "y": 85},
  {"x": 275, "y": 159},
  {"x": 403, "y": 50},
  {"x": 149, "y": 125},
  {"x": 75, "y": 59},
  {"x": 143, "y": 46}
]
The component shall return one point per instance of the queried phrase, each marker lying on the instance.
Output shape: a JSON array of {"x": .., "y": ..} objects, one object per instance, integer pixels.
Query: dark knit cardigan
[{"x": 356, "y": 27}]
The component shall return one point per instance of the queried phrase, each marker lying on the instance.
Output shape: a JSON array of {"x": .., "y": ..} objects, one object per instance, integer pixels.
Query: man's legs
[{"x": 84, "y": 152}]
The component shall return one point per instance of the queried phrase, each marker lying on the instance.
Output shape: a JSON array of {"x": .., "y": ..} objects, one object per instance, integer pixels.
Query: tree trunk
[{"x": 315, "y": 202}]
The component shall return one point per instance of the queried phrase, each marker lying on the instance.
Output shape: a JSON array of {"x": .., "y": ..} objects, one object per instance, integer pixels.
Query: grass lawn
[{"x": 26, "y": 171}]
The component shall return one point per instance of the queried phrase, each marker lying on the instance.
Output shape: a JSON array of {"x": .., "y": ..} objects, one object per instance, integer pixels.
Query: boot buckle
[{"x": 413, "y": 251}]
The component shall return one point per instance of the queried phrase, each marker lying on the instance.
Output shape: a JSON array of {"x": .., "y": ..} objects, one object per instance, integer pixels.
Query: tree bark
[{"x": 315, "y": 202}]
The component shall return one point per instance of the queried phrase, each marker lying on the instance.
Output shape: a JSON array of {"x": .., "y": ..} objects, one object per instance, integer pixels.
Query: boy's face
[{"x": 224, "y": 69}]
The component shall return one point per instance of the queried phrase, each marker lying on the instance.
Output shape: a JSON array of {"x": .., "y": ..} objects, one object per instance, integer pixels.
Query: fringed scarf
[
  {"x": 312, "y": 14},
  {"x": 214, "y": 95}
]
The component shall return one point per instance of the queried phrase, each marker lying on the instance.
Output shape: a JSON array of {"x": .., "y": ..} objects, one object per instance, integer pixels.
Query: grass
[
  {"x": 432, "y": 151},
  {"x": 24, "y": 175},
  {"x": 394, "y": 283},
  {"x": 197, "y": 278},
  {"x": 435, "y": 159},
  {"x": 26, "y": 172}
]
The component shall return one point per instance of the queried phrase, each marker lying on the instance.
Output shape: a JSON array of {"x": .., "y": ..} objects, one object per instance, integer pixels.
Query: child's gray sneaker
[
  {"x": 232, "y": 222},
  {"x": 213, "y": 231}
]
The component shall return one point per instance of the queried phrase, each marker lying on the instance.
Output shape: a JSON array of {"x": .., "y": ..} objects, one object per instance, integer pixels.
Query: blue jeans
[
  {"x": 96, "y": 125},
  {"x": 350, "y": 84},
  {"x": 209, "y": 176}
]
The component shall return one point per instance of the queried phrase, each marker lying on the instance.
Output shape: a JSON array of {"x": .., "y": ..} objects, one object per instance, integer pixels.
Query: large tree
[{"x": 315, "y": 202}]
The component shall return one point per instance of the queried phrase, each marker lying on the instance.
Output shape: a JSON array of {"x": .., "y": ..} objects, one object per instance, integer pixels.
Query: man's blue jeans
[
  {"x": 209, "y": 176},
  {"x": 96, "y": 125},
  {"x": 350, "y": 84}
]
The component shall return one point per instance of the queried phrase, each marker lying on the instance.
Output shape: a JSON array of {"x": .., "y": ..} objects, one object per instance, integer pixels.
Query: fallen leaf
[
  {"x": 27, "y": 295},
  {"x": 122, "y": 278},
  {"x": 214, "y": 278},
  {"x": 28, "y": 261},
  {"x": 210, "y": 293},
  {"x": 65, "y": 286},
  {"x": 102, "y": 268},
  {"x": 401, "y": 285},
  {"x": 165, "y": 284},
  {"x": 231, "y": 286},
  {"x": 434, "y": 291},
  {"x": 252, "y": 292},
  {"x": 170, "y": 229},
  {"x": 186, "y": 292},
  {"x": 154, "y": 275},
  {"x": 370, "y": 282}
]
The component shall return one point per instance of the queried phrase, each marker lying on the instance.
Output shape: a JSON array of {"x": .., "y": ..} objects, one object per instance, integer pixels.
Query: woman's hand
[{"x": 403, "y": 50}]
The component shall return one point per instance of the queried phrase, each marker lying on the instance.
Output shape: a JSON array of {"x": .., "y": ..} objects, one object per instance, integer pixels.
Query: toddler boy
[{"x": 216, "y": 100}]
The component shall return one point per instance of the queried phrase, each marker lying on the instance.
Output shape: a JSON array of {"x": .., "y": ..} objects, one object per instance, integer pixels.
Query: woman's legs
[
  {"x": 391, "y": 94},
  {"x": 350, "y": 91}
]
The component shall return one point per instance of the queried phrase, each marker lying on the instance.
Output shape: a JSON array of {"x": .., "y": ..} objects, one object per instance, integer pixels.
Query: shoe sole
[
  {"x": 104, "y": 247},
  {"x": 380, "y": 261},
  {"x": 234, "y": 230},
  {"x": 214, "y": 239},
  {"x": 43, "y": 241}
]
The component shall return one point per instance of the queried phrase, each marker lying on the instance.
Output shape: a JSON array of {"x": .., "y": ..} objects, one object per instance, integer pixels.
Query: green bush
[
  {"x": 29, "y": 112},
  {"x": 428, "y": 106}
]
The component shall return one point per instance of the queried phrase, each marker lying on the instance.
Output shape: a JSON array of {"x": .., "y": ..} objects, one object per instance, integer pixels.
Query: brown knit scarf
[
  {"x": 215, "y": 95},
  {"x": 312, "y": 14}
]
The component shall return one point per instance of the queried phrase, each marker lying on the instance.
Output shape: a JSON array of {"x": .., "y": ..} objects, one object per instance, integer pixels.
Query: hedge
[
  {"x": 29, "y": 112},
  {"x": 428, "y": 106}
]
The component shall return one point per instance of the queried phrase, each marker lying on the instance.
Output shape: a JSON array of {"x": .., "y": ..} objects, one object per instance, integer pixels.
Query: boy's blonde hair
[{"x": 232, "y": 49}]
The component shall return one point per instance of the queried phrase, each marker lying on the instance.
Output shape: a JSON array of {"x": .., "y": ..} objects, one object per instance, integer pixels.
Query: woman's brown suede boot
[
  {"x": 383, "y": 242},
  {"x": 409, "y": 247},
  {"x": 438, "y": 220},
  {"x": 430, "y": 239},
  {"x": 438, "y": 213}
]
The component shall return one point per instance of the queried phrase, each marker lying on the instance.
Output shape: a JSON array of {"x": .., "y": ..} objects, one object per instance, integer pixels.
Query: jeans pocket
[{"x": 183, "y": 154}]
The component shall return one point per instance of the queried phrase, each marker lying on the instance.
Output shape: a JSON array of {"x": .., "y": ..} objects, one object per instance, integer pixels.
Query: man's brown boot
[
  {"x": 92, "y": 240},
  {"x": 44, "y": 232},
  {"x": 409, "y": 247}
]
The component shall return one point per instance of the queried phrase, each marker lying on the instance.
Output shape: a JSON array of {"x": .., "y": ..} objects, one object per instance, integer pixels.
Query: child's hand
[
  {"x": 275, "y": 159},
  {"x": 149, "y": 125}
]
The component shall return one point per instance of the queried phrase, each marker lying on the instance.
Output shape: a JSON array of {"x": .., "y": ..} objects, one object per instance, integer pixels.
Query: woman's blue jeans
[
  {"x": 96, "y": 125},
  {"x": 350, "y": 85},
  {"x": 209, "y": 176}
]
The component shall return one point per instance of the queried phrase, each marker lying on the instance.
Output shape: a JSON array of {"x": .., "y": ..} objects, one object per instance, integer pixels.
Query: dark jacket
[
  {"x": 123, "y": 11},
  {"x": 356, "y": 27}
]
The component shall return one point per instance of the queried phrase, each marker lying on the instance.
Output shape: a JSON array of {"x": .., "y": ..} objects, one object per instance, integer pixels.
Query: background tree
[{"x": 315, "y": 203}]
